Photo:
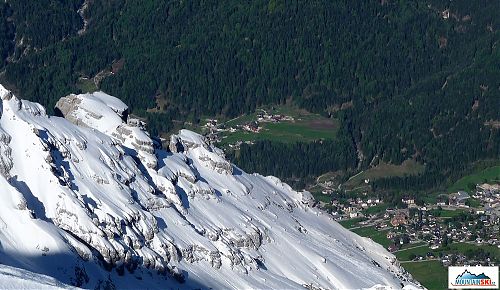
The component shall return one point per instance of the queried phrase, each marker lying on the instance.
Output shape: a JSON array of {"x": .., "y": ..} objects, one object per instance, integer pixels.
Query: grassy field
[
  {"x": 321, "y": 197},
  {"x": 376, "y": 209},
  {"x": 405, "y": 254},
  {"x": 491, "y": 174},
  {"x": 358, "y": 189},
  {"x": 472, "y": 202},
  {"x": 241, "y": 120},
  {"x": 305, "y": 127},
  {"x": 432, "y": 197},
  {"x": 287, "y": 132},
  {"x": 408, "y": 167},
  {"x": 430, "y": 273},
  {"x": 406, "y": 246},
  {"x": 350, "y": 223},
  {"x": 377, "y": 236},
  {"x": 447, "y": 213},
  {"x": 86, "y": 85},
  {"x": 329, "y": 176}
]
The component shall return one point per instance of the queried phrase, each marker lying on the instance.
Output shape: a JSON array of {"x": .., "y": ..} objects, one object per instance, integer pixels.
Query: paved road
[
  {"x": 371, "y": 224},
  {"x": 419, "y": 261},
  {"x": 420, "y": 246},
  {"x": 355, "y": 175}
]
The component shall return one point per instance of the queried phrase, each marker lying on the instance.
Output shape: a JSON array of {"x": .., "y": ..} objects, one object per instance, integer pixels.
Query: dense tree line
[
  {"x": 296, "y": 160},
  {"x": 421, "y": 76},
  {"x": 44, "y": 22},
  {"x": 6, "y": 32},
  {"x": 156, "y": 123}
]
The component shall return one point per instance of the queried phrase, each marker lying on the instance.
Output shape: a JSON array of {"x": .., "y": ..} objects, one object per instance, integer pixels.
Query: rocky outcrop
[
  {"x": 66, "y": 106},
  {"x": 5, "y": 154},
  {"x": 5, "y": 151},
  {"x": 92, "y": 186}
]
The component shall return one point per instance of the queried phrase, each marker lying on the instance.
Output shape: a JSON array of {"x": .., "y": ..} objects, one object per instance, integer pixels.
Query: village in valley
[
  {"x": 460, "y": 228},
  {"x": 426, "y": 235},
  {"x": 215, "y": 131},
  {"x": 275, "y": 123},
  {"x": 426, "y": 232}
]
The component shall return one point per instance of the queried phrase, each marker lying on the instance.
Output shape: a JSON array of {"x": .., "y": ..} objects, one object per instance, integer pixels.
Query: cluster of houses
[
  {"x": 265, "y": 117},
  {"x": 458, "y": 198},
  {"x": 214, "y": 129},
  {"x": 422, "y": 226},
  {"x": 416, "y": 224},
  {"x": 353, "y": 207},
  {"x": 455, "y": 259},
  {"x": 237, "y": 144},
  {"x": 399, "y": 218},
  {"x": 489, "y": 196},
  {"x": 458, "y": 259},
  {"x": 252, "y": 126}
]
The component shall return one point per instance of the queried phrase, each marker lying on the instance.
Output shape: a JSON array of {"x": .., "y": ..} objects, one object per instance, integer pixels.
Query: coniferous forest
[{"x": 423, "y": 77}]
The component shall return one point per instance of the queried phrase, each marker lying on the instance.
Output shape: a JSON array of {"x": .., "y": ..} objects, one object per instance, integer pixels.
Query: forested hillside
[{"x": 408, "y": 79}]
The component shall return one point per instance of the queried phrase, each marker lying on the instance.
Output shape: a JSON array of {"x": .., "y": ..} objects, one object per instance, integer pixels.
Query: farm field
[
  {"x": 408, "y": 167},
  {"x": 305, "y": 126}
]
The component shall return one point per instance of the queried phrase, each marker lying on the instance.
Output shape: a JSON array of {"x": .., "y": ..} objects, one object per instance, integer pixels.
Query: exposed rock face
[
  {"x": 5, "y": 150},
  {"x": 68, "y": 106},
  {"x": 109, "y": 115},
  {"x": 209, "y": 156},
  {"x": 92, "y": 186},
  {"x": 5, "y": 154},
  {"x": 175, "y": 144}
]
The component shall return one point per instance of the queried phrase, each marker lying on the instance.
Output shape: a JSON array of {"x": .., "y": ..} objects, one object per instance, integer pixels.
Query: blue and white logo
[{"x": 473, "y": 277}]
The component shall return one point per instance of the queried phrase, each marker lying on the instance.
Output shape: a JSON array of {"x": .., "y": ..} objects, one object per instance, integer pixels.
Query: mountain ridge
[{"x": 101, "y": 203}]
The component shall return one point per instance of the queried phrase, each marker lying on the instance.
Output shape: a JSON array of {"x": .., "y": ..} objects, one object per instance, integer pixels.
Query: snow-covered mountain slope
[
  {"x": 91, "y": 200},
  {"x": 15, "y": 278}
]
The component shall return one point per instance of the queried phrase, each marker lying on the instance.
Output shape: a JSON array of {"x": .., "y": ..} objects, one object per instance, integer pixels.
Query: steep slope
[
  {"x": 15, "y": 278},
  {"x": 93, "y": 201}
]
